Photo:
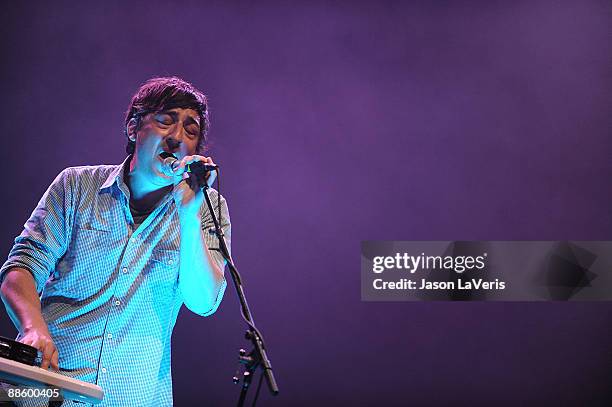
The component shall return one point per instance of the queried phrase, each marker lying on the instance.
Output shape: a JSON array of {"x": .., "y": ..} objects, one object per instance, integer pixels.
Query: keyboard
[{"x": 32, "y": 376}]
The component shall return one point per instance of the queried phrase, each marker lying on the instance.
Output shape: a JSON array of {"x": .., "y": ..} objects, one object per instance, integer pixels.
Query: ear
[{"x": 131, "y": 128}]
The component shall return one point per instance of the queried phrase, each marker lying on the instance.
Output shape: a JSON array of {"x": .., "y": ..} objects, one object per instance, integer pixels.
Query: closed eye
[
  {"x": 192, "y": 130},
  {"x": 164, "y": 119}
]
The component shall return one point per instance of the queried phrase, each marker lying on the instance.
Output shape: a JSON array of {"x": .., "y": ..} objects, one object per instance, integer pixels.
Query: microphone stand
[{"x": 257, "y": 357}]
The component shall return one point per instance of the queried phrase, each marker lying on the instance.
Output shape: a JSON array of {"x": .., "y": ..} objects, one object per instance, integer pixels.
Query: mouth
[{"x": 164, "y": 154}]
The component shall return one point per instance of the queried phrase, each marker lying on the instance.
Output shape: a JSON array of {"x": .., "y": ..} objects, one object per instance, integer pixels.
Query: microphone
[{"x": 197, "y": 167}]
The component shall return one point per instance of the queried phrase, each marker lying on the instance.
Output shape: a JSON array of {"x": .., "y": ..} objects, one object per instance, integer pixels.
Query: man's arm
[
  {"x": 35, "y": 253},
  {"x": 18, "y": 292},
  {"x": 200, "y": 277}
]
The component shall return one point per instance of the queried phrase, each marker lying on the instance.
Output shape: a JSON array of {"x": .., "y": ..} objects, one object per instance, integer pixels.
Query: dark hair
[{"x": 167, "y": 93}]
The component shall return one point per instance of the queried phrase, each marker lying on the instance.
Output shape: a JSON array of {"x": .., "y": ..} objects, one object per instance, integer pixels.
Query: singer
[{"x": 97, "y": 277}]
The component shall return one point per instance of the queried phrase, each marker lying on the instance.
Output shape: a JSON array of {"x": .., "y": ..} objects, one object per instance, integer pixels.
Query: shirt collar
[{"x": 117, "y": 175}]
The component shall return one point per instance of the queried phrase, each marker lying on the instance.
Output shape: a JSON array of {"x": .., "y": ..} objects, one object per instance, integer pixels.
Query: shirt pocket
[{"x": 162, "y": 269}]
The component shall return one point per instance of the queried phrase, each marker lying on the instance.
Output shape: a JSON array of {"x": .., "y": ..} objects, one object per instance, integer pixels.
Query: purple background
[{"x": 341, "y": 122}]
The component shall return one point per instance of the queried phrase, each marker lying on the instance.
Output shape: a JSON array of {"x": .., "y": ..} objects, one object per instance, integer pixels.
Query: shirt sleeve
[
  {"x": 46, "y": 233},
  {"x": 212, "y": 241}
]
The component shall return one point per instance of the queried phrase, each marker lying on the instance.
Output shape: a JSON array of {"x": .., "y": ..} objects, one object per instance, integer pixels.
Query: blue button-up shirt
[{"x": 110, "y": 291}]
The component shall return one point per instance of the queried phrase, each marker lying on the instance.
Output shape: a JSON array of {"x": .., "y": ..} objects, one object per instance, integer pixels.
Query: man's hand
[
  {"x": 19, "y": 295},
  {"x": 41, "y": 340},
  {"x": 187, "y": 192}
]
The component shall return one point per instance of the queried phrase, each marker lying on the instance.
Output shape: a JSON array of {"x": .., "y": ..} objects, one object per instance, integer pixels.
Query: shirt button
[
  {"x": 103, "y": 370},
  {"x": 109, "y": 336},
  {"x": 125, "y": 270},
  {"x": 170, "y": 262},
  {"x": 117, "y": 302}
]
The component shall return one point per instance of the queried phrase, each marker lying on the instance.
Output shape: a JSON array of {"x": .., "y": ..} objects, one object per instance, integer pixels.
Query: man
[{"x": 116, "y": 250}]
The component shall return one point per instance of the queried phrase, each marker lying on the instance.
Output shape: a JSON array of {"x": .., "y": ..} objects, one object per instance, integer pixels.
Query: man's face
[{"x": 175, "y": 131}]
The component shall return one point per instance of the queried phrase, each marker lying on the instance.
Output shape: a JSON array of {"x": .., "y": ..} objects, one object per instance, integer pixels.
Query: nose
[
  {"x": 175, "y": 138},
  {"x": 173, "y": 143}
]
